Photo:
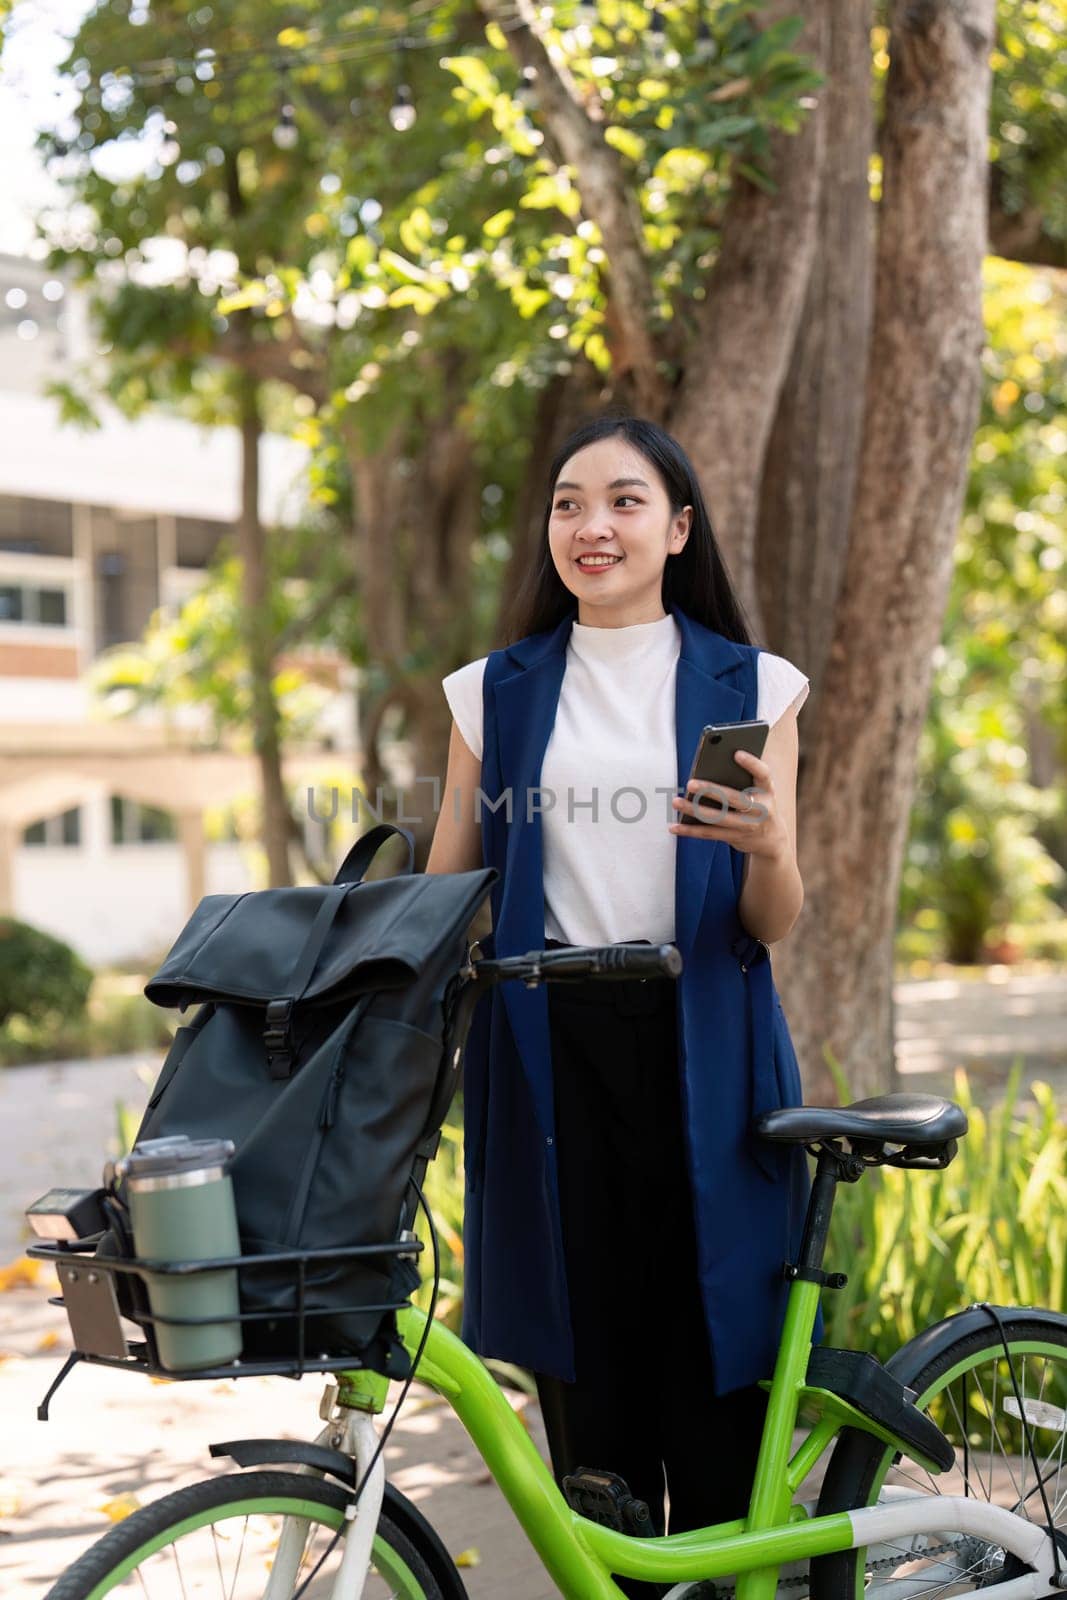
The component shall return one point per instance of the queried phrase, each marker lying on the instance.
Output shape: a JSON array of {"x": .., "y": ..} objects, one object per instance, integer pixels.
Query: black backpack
[{"x": 325, "y": 1048}]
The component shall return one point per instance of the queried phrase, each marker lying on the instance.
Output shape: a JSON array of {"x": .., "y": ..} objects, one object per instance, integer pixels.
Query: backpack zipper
[
  {"x": 337, "y": 1071},
  {"x": 329, "y": 1099},
  {"x": 327, "y": 1116}
]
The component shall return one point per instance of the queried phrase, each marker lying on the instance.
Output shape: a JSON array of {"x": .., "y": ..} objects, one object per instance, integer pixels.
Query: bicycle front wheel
[
  {"x": 967, "y": 1388},
  {"x": 218, "y": 1540}
]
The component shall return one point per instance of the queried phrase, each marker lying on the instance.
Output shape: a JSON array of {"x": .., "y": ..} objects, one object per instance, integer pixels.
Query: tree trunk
[
  {"x": 727, "y": 400},
  {"x": 922, "y": 401},
  {"x": 418, "y": 513},
  {"x": 809, "y": 473},
  {"x": 266, "y": 734},
  {"x": 564, "y": 404}
]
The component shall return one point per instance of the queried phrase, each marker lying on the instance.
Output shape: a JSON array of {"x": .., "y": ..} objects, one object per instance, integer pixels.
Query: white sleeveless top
[{"x": 608, "y": 857}]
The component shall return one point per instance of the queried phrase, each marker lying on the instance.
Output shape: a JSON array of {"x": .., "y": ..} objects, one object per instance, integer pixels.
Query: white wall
[
  {"x": 121, "y": 904},
  {"x": 40, "y": 700}
]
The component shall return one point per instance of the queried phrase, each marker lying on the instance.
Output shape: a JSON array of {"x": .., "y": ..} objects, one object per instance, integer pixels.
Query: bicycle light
[{"x": 67, "y": 1214}]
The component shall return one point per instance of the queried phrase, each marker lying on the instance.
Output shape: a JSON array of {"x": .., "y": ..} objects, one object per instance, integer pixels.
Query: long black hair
[{"x": 695, "y": 578}]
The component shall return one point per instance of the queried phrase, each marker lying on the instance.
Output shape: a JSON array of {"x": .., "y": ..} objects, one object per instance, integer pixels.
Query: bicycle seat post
[{"x": 833, "y": 1167}]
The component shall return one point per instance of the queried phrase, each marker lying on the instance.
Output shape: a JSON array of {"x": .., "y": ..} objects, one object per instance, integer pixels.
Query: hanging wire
[{"x": 167, "y": 70}]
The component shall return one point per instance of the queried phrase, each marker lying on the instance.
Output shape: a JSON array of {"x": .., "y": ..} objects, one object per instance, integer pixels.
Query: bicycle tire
[
  {"x": 407, "y": 1553},
  {"x": 860, "y": 1463}
]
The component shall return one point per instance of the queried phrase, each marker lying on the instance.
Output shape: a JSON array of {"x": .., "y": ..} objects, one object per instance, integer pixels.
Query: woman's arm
[
  {"x": 772, "y": 893},
  {"x": 457, "y": 840}
]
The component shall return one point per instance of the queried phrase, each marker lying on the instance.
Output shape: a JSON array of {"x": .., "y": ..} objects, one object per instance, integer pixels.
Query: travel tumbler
[{"x": 182, "y": 1209}]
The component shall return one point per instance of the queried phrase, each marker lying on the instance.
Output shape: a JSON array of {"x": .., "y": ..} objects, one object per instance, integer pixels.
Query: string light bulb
[
  {"x": 656, "y": 34},
  {"x": 402, "y": 111},
  {"x": 526, "y": 93},
  {"x": 286, "y": 134}
]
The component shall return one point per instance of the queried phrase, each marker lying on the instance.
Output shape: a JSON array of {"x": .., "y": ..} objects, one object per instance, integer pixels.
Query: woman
[{"x": 624, "y": 1232}]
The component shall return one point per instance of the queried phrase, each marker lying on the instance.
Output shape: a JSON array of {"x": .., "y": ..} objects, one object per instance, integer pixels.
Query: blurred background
[{"x": 296, "y": 304}]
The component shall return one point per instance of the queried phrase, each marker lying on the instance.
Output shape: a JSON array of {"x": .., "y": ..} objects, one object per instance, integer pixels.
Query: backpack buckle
[{"x": 278, "y": 1038}]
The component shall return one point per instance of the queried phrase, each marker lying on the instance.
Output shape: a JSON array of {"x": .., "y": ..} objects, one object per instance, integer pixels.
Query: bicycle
[{"x": 977, "y": 1401}]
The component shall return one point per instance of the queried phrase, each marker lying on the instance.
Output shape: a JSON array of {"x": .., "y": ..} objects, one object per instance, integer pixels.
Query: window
[
  {"x": 52, "y": 607},
  {"x": 62, "y": 831},
  {"x": 36, "y": 527},
  {"x": 132, "y": 823},
  {"x": 31, "y": 604}
]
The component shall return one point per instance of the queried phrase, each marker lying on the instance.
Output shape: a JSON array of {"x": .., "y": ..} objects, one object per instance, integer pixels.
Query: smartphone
[{"x": 714, "y": 761}]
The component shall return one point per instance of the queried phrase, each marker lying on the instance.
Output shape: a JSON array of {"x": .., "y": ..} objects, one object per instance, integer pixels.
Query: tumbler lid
[{"x": 159, "y": 1158}]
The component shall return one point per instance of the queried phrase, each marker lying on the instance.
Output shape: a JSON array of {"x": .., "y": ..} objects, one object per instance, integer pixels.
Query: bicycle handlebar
[{"x": 581, "y": 961}]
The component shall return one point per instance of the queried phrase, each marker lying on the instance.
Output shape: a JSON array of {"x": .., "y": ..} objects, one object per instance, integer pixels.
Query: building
[{"x": 102, "y": 836}]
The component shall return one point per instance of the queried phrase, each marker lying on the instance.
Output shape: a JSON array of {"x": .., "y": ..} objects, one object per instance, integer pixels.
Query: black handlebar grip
[
  {"x": 643, "y": 961},
  {"x": 611, "y": 961}
]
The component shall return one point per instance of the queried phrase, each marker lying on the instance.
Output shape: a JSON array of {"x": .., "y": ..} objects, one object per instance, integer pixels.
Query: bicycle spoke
[
  {"x": 177, "y": 1563},
  {"x": 218, "y": 1561},
  {"x": 237, "y": 1563}
]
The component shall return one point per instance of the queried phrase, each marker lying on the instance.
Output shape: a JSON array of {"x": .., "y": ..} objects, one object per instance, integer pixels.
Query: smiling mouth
[{"x": 597, "y": 561}]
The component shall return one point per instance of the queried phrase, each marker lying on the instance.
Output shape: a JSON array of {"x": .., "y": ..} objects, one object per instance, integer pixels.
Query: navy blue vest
[{"x": 737, "y": 1059}]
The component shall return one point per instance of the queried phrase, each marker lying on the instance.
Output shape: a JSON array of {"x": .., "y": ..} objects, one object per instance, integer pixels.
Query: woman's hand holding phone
[{"x": 745, "y": 817}]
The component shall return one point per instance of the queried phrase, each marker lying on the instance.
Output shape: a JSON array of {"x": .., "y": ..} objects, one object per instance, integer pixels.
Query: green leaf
[
  {"x": 496, "y": 226},
  {"x": 626, "y": 141}
]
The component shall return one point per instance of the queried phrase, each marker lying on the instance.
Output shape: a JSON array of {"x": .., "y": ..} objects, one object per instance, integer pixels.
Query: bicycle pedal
[{"x": 605, "y": 1498}]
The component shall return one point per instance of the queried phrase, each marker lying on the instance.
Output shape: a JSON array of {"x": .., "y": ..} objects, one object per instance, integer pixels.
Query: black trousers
[{"x": 643, "y": 1404}]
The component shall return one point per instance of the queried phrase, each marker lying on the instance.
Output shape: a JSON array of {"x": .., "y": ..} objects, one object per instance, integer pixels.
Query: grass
[{"x": 118, "y": 1020}]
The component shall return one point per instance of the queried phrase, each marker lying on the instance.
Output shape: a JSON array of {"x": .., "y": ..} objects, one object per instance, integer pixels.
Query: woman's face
[{"x": 610, "y": 501}]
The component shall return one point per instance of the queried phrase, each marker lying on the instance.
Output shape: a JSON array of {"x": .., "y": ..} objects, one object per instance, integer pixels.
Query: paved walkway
[
  {"x": 115, "y": 1434},
  {"x": 982, "y": 1023}
]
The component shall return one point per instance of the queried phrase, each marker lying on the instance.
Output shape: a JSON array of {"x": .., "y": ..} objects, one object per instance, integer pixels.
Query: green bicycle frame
[{"x": 579, "y": 1554}]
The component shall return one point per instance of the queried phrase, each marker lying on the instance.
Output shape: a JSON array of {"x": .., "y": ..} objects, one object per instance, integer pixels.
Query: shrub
[
  {"x": 993, "y": 1226},
  {"x": 39, "y": 976}
]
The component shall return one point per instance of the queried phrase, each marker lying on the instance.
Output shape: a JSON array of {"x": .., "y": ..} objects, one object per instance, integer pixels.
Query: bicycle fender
[
  {"x": 408, "y": 1518},
  {"x": 283, "y": 1452},
  {"x": 907, "y": 1362}
]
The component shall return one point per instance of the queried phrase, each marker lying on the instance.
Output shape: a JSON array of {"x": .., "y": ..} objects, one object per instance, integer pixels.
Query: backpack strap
[
  {"x": 362, "y": 853},
  {"x": 277, "y": 1035}
]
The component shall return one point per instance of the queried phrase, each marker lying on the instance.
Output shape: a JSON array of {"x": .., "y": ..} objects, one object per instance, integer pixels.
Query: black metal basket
[{"x": 91, "y": 1298}]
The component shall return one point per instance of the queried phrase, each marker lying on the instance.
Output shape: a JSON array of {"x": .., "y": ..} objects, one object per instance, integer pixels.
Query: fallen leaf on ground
[
  {"x": 469, "y": 1558},
  {"x": 123, "y": 1505},
  {"x": 49, "y": 1340},
  {"x": 20, "y": 1274}
]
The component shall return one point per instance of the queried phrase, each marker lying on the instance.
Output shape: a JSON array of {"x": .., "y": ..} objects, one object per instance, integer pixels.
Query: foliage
[
  {"x": 993, "y": 1226},
  {"x": 42, "y": 980},
  {"x": 988, "y": 842},
  {"x": 444, "y": 1196},
  {"x": 1028, "y": 120},
  {"x": 117, "y": 1020},
  {"x": 198, "y": 657}
]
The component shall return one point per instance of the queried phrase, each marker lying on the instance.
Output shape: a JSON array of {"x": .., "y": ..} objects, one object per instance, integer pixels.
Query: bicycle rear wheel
[
  {"x": 216, "y": 1540},
  {"x": 966, "y": 1386}
]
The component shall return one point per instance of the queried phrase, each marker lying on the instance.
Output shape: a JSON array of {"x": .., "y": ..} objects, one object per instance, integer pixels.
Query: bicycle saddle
[{"x": 915, "y": 1120}]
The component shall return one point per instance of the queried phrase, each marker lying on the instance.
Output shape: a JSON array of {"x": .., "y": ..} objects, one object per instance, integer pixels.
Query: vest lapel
[
  {"x": 526, "y": 702},
  {"x": 703, "y": 693}
]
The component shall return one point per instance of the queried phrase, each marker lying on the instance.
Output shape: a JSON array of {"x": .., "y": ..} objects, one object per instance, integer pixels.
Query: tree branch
[{"x": 607, "y": 200}]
